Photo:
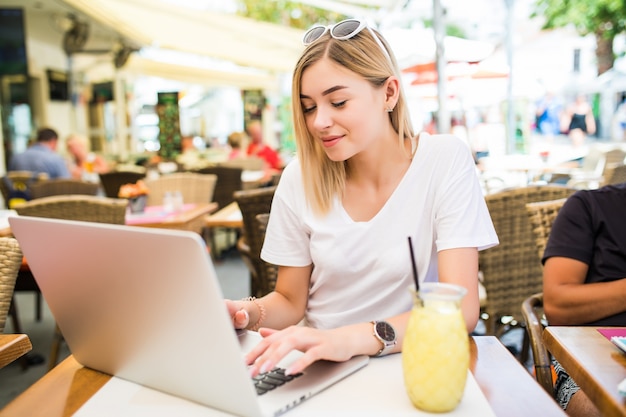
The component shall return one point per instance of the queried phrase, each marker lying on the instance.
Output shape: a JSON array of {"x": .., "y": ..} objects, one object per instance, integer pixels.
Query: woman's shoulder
[
  {"x": 439, "y": 138},
  {"x": 292, "y": 174},
  {"x": 440, "y": 141}
]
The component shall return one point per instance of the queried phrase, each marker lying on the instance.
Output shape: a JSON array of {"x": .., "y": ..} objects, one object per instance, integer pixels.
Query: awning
[
  {"x": 198, "y": 75},
  {"x": 224, "y": 36},
  {"x": 427, "y": 73}
]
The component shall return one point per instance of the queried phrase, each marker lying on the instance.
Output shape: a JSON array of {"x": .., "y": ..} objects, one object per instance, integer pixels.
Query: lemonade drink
[{"x": 435, "y": 351}]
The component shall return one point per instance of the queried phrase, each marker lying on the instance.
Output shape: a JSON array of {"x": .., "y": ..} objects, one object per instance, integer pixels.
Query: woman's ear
[{"x": 392, "y": 92}]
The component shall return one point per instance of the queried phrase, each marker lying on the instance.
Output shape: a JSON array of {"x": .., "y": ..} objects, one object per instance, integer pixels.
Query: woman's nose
[{"x": 322, "y": 119}]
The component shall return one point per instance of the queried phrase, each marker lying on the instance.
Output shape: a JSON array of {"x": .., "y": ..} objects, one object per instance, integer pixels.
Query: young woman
[{"x": 361, "y": 185}]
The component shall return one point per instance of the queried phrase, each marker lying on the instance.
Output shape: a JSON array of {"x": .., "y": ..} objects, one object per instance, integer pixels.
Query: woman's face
[{"x": 342, "y": 110}]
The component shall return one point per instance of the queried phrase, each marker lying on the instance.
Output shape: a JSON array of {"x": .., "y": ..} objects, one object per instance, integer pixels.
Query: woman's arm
[
  {"x": 460, "y": 266},
  {"x": 456, "y": 266},
  {"x": 282, "y": 307},
  {"x": 567, "y": 300}
]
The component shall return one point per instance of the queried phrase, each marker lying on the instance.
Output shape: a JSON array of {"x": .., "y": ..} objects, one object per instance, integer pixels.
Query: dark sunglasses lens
[
  {"x": 313, "y": 34},
  {"x": 346, "y": 29}
]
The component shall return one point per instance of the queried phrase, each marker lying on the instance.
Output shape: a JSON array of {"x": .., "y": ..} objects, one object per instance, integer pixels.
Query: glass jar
[{"x": 435, "y": 351}]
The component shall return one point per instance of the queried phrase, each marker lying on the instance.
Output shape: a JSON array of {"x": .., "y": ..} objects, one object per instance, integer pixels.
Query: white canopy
[{"x": 224, "y": 36}]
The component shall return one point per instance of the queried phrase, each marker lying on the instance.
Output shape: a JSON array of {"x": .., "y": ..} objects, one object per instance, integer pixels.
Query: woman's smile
[{"x": 329, "y": 141}]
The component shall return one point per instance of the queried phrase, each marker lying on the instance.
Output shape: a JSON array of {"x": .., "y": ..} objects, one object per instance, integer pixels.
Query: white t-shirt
[{"x": 362, "y": 270}]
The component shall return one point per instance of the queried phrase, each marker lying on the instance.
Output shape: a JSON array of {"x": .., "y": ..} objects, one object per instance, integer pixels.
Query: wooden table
[
  {"x": 191, "y": 217},
  {"x": 229, "y": 216},
  {"x": 509, "y": 388},
  {"x": 12, "y": 347},
  {"x": 592, "y": 361}
]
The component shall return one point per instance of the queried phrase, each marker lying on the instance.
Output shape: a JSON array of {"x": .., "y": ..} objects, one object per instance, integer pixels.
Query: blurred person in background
[
  {"x": 41, "y": 157},
  {"x": 258, "y": 148},
  {"x": 84, "y": 164},
  {"x": 236, "y": 142},
  {"x": 548, "y": 115},
  {"x": 579, "y": 121}
]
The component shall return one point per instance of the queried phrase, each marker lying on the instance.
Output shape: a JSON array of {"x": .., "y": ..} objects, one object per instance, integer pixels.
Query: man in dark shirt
[{"x": 584, "y": 278}]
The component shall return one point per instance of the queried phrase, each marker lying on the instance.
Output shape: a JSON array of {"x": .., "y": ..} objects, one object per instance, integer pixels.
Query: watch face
[{"x": 385, "y": 331}]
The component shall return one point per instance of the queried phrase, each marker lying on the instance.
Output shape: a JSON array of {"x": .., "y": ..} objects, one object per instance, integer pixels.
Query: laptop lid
[{"x": 145, "y": 305}]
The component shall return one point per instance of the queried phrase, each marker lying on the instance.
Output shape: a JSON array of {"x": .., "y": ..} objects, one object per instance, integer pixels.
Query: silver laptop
[{"x": 145, "y": 305}]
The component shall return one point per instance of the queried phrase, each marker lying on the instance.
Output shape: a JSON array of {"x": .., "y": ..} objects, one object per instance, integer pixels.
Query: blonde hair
[
  {"x": 324, "y": 179},
  {"x": 236, "y": 139}
]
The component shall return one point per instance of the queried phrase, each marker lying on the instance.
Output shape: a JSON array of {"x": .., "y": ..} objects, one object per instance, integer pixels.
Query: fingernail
[{"x": 267, "y": 366}]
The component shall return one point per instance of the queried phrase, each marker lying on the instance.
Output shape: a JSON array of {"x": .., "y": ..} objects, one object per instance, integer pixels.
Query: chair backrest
[
  {"x": 250, "y": 163},
  {"x": 112, "y": 181},
  {"x": 594, "y": 162},
  {"x": 541, "y": 215},
  {"x": 16, "y": 186},
  {"x": 228, "y": 181},
  {"x": 268, "y": 273},
  {"x": 63, "y": 186},
  {"x": 10, "y": 262},
  {"x": 615, "y": 156},
  {"x": 511, "y": 270},
  {"x": 194, "y": 187},
  {"x": 252, "y": 202},
  {"x": 532, "y": 312},
  {"x": 614, "y": 174},
  {"x": 77, "y": 207}
]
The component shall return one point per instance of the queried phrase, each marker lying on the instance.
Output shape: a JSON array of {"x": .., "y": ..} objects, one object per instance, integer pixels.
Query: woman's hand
[
  {"x": 238, "y": 314},
  {"x": 316, "y": 344}
]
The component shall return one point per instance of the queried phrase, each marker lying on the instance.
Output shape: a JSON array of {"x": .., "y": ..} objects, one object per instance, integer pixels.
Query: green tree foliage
[
  {"x": 288, "y": 13},
  {"x": 604, "y": 18}
]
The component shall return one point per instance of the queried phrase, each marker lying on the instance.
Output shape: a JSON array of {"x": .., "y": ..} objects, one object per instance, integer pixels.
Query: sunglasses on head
[{"x": 344, "y": 30}]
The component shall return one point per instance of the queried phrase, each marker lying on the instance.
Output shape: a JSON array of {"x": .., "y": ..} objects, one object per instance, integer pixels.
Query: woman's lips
[{"x": 330, "y": 141}]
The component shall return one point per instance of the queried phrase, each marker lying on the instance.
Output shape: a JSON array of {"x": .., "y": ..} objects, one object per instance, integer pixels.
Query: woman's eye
[
  {"x": 309, "y": 109},
  {"x": 340, "y": 104}
]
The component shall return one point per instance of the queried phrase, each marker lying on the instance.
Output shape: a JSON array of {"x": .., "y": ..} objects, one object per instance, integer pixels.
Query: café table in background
[
  {"x": 509, "y": 389},
  {"x": 596, "y": 364},
  {"x": 191, "y": 217},
  {"x": 228, "y": 217}
]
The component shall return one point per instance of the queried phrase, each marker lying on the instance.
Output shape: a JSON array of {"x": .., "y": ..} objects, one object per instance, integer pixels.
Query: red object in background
[{"x": 427, "y": 72}]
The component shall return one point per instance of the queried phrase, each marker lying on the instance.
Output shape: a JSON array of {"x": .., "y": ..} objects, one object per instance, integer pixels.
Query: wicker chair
[
  {"x": 23, "y": 180},
  {"x": 195, "y": 188},
  {"x": 228, "y": 181},
  {"x": 63, "y": 187},
  {"x": 250, "y": 163},
  {"x": 77, "y": 207},
  {"x": 268, "y": 273},
  {"x": 615, "y": 156},
  {"x": 71, "y": 207},
  {"x": 112, "y": 181},
  {"x": 511, "y": 270},
  {"x": 532, "y": 312},
  {"x": 541, "y": 215},
  {"x": 252, "y": 202},
  {"x": 10, "y": 262},
  {"x": 615, "y": 174}
]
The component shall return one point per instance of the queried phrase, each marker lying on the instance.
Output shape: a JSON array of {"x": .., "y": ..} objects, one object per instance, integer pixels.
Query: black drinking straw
[{"x": 417, "y": 284}]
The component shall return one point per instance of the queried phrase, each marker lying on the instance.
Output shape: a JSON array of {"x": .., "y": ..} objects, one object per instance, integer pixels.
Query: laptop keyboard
[{"x": 269, "y": 380}]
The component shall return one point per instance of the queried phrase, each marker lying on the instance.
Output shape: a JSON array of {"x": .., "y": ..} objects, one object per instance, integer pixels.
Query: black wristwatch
[{"x": 386, "y": 334}]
